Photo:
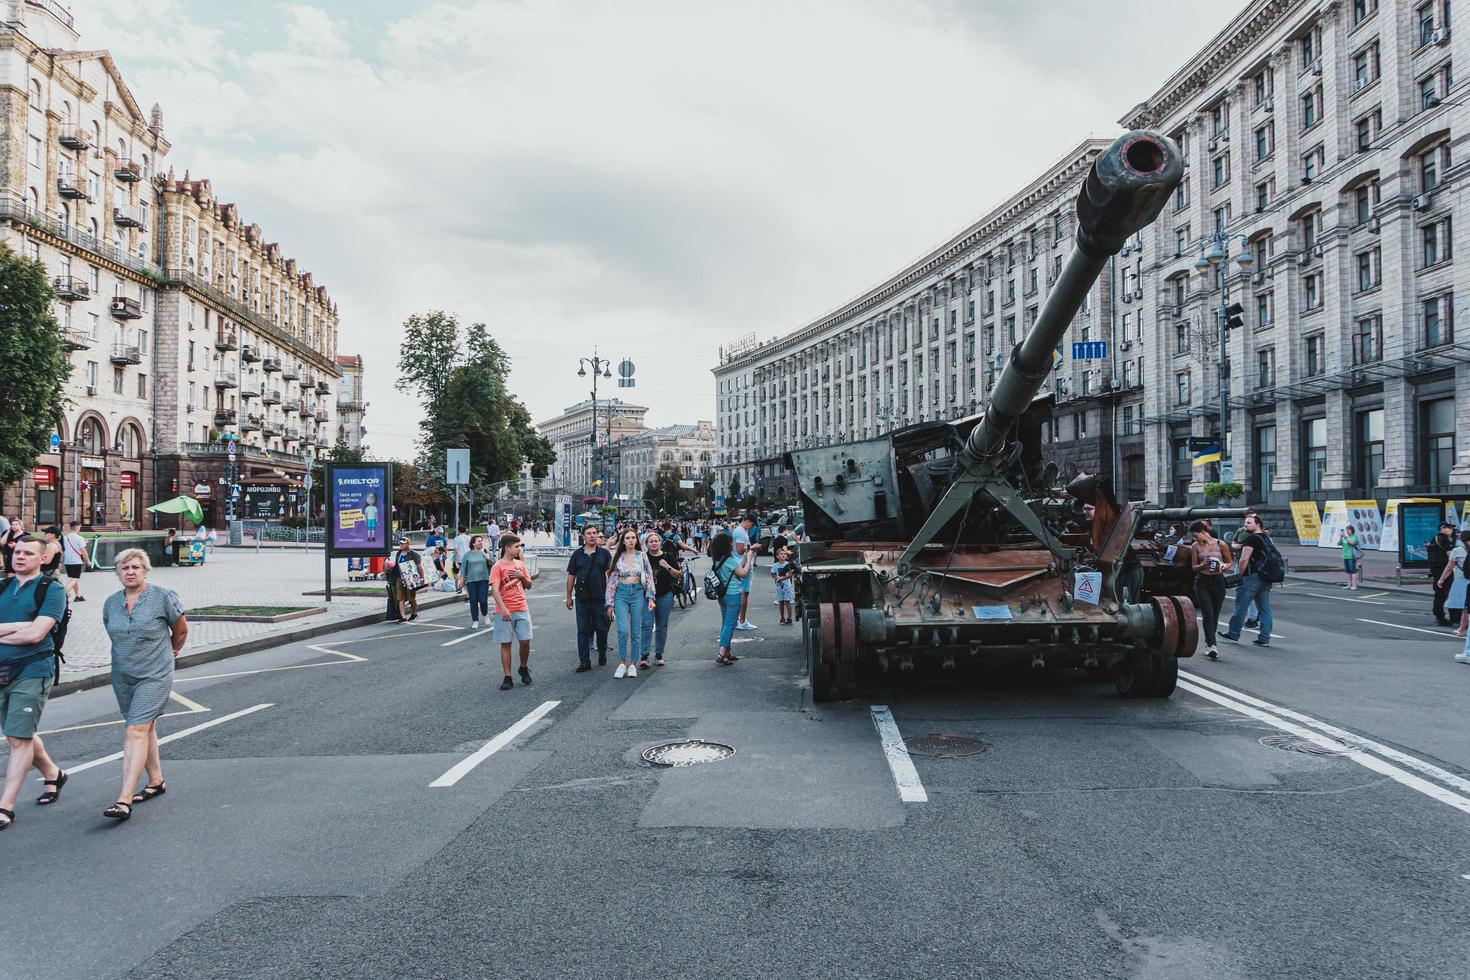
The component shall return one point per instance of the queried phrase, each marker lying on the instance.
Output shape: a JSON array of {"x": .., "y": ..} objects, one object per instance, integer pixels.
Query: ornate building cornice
[
  {"x": 1241, "y": 36},
  {"x": 945, "y": 260}
]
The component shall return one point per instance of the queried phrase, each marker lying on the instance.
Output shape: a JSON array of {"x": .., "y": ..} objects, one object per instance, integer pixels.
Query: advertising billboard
[{"x": 359, "y": 500}]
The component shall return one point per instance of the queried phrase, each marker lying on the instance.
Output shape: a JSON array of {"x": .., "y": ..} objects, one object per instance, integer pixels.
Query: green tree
[
  {"x": 33, "y": 364},
  {"x": 733, "y": 494},
  {"x": 462, "y": 383}
]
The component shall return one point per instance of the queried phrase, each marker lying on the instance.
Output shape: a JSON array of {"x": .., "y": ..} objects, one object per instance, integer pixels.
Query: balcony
[
  {"x": 306, "y": 385},
  {"x": 290, "y": 372},
  {"x": 249, "y": 389},
  {"x": 225, "y": 416},
  {"x": 348, "y": 406},
  {"x": 125, "y": 309},
  {"x": 126, "y": 354},
  {"x": 249, "y": 353},
  {"x": 129, "y": 217},
  {"x": 74, "y": 339},
  {"x": 72, "y": 187},
  {"x": 128, "y": 170},
  {"x": 293, "y": 434},
  {"x": 71, "y": 288},
  {"x": 322, "y": 442},
  {"x": 226, "y": 379},
  {"x": 273, "y": 429},
  {"x": 292, "y": 406},
  {"x": 74, "y": 138},
  {"x": 270, "y": 364},
  {"x": 304, "y": 410},
  {"x": 227, "y": 340},
  {"x": 251, "y": 423},
  {"x": 320, "y": 415},
  {"x": 323, "y": 387},
  {"x": 270, "y": 398}
]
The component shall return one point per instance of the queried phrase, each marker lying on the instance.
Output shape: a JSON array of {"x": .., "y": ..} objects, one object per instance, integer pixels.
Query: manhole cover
[
  {"x": 693, "y": 752},
  {"x": 747, "y": 639},
  {"x": 945, "y": 745},
  {"x": 1295, "y": 743}
]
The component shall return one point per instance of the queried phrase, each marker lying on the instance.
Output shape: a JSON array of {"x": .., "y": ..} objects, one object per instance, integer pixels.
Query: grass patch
[{"x": 245, "y": 610}]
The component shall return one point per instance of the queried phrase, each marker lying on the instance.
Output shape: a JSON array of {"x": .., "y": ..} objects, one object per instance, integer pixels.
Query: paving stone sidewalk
[{"x": 231, "y": 576}]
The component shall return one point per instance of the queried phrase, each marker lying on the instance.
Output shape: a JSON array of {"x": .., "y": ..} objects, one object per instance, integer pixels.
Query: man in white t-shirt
[
  {"x": 493, "y": 533},
  {"x": 74, "y": 559},
  {"x": 461, "y": 544}
]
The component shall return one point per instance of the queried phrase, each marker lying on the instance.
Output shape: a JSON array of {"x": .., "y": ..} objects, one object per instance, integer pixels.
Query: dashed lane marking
[
  {"x": 464, "y": 766},
  {"x": 905, "y": 776},
  {"x": 1343, "y": 598},
  {"x": 73, "y": 770},
  {"x": 1416, "y": 629}
]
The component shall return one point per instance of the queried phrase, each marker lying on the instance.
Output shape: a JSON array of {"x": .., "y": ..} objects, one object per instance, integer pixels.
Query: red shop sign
[
  {"x": 129, "y": 479},
  {"x": 44, "y": 475}
]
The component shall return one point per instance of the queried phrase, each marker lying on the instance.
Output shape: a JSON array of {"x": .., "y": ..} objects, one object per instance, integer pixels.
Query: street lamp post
[
  {"x": 1227, "y": 315},
  {"x": 601, "y": 367}
]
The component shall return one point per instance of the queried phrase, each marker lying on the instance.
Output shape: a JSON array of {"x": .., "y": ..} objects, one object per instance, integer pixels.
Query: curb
[
  {"x": 251, "y": 645},
  {"x": 1334, "y": 582}
]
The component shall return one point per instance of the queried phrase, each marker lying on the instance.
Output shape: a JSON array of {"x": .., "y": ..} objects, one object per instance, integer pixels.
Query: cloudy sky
[{"x": 652, "y": 179}]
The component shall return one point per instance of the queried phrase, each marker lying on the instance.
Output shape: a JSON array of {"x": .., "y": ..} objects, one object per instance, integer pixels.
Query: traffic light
[{"x": 1234, "y": 316}]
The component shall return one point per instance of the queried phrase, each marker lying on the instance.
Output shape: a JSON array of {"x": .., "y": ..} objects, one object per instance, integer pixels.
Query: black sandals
[
  {"x": 52, "y": 795},
  {"x": 149, "y": 792}
]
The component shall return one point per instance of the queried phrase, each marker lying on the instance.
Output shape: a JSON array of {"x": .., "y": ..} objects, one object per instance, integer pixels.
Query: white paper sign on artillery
[{"x": 1089, "y": 587}]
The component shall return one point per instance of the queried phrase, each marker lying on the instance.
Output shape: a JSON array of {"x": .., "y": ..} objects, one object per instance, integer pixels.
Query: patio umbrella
[{"x": 182, "y": 504}]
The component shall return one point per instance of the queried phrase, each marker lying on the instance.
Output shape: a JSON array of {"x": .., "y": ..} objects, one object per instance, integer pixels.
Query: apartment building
[
  {"x": 583, "y": 436},
  {"x": 351, "y": 408},
  {"x": 188, "y": 330},
  {"x": 929, "y": 343},
  {"x": 689, "y": 449},
  {"x": 1326, "y": 140},
  {"x": 76, "y": 163}
]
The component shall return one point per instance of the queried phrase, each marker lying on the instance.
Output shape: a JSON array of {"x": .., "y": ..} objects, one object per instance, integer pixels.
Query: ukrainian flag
[{"x": 1209, "y": 454}]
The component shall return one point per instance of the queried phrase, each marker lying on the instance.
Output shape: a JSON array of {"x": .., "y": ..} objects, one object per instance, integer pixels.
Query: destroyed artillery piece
[{"x": 941, "y": 542}]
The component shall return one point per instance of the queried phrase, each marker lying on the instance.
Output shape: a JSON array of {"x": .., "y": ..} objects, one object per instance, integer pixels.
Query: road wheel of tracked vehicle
[
  {"x": 821, "y": 653},
  {"x": 847, "y": 651},
  {"x": 818, "y": 673},
  {"x": 1134, "y": 675}
]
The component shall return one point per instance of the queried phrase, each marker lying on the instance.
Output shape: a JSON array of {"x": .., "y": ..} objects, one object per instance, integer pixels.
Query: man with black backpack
[
  {"x": 1261, "y": 567},
  {"x": 33, "y": 614}
]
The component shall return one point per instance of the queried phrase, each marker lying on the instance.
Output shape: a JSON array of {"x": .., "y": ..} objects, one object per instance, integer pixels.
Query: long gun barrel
[
  {"x": 1192, "y": 513},
  {"x": 1126, "y": 189}
]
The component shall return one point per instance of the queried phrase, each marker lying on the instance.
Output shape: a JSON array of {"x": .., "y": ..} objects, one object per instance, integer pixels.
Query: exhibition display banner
[
  {"x": 1390, "y": 540},
  {"x": 1361, "y": 514},
  {"x": 1308, "y": 524},
  {"x": 1418, "y": 524},
  {"x": 359, "y": 504}
]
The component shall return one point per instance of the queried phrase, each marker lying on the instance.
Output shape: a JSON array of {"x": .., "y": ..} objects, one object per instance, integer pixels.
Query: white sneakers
[
  {"x": 745, "y": 626},
  {"x": 474, "y": 624},
  {"x": 622, "y": 671},
  {"x": 632, "y": 670},
  {"x": 1460, "y": 658}
]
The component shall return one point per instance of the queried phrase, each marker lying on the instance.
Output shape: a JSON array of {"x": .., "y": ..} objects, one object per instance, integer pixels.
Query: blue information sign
[
  {"x": 55, "y": 442},
  {"x": 1089, "y": 350}
]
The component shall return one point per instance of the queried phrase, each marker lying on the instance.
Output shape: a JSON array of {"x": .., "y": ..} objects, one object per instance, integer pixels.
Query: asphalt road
[{"x": 301, "y": 836}]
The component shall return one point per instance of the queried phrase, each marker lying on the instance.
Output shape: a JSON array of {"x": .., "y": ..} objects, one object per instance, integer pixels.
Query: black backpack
[
  {"x": 58, "y": 631},
  {"x": 1272, "y": 567}
]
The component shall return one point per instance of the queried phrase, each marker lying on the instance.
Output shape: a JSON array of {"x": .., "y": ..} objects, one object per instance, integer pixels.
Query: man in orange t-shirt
[{"x": 508, "y": 584}]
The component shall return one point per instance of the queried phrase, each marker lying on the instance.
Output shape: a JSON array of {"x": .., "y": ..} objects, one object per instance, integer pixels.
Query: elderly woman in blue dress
[{"x": 147, "y": 627}]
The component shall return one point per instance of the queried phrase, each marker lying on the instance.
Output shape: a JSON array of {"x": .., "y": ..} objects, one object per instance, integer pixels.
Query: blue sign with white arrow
[{"x": 1090, "y": 350}]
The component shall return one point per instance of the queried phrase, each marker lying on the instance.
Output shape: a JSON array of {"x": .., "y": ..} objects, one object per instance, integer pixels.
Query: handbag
[{"x": 1357, "y": 553}]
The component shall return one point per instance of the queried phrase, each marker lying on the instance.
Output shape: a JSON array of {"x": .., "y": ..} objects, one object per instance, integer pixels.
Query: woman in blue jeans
[
  {"x": 666, "y": 573},
  {"x": 630, "y": 591},
  {"x": 734, "y": 575},
  {"x": 474, "y": 578}
]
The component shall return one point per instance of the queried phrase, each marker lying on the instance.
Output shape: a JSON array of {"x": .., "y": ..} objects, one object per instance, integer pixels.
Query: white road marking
[
  {"x": 1403, "y": 758},
  {"x": 1416, "y": 629},
  {"x": 171, "y": 738},
  {"x": 905, "y": 776},
  {"x": 463, "y": 767},
  {"x": 1343, "y": 598},
  {"x": 347, "y": 658},
  {"x": 469, "y": 636}
]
